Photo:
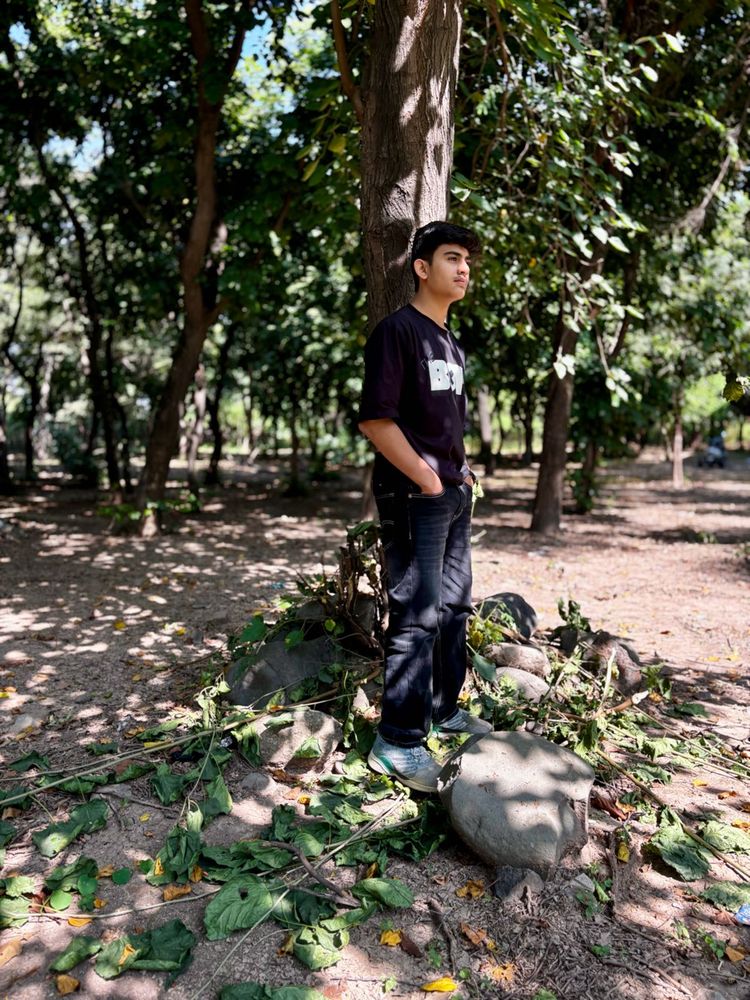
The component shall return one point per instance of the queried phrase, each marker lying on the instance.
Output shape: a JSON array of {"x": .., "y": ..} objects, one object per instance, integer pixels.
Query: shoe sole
[{"x": 376, "y": 764}]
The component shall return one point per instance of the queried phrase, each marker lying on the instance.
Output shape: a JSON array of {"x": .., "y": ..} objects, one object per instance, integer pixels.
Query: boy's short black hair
[{"x": 428, "y": 238}]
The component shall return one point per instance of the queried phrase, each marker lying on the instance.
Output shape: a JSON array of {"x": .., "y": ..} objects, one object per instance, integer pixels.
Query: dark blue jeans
[{"x": 427, "y": 543}]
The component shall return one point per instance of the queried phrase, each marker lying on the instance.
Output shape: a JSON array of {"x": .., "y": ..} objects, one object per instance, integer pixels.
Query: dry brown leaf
[
  {"x": 473, "y": 889},
  {"x": 336, "y": 991},
  {"x": 727, "y": 795},
  {"x": 745, "y": 807},
  {"x": 443, "y": 985},
  {"x": 735, "y": 954},
  {"x": 66, "y": 984},
  {"x": 196, "y": 873},
  {"x": 288, "y": 945},
  {"x": 742, "y": 824},
  {"x": 372, "y": 870},
  {"x": 410, "y": 946},
  {"x": 439, "y": 879},
  {"x": 175, "y": 891},
  {"x": 10, "y": 812},
  {"x": 625, "y": 807},
  {"x": 476, "y": 935},
  {"x": 99, "y": 904},
  {"x": 79, "y": 921},
  {"x": 499, "y": 973},
  {"x": 106, "y": 872},
  {"x": 390, "y": 938},
  {"x": 136, "y": 731},
  {"x": 10, "y": 950}
]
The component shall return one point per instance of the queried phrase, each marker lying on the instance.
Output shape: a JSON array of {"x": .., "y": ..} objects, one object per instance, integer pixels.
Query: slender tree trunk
[
  {"x": 527, "y": 419},
  {"x": 550, "y": 486},
  {"x": 678, "y": 469},
  {"x": 195, "y": 434},
  {"x": 213, "y": 404},
  {"x": 407, "y": 110},
  {"x": 199, "y": 300},
  {"x": 6, "y": 480},
  {"x": 486, "y": 454}
]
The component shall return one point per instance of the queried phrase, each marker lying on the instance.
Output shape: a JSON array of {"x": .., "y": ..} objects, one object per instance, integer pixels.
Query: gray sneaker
[
  {"x": 463, "y": 722},
  {"x": 412, "y": 766}
]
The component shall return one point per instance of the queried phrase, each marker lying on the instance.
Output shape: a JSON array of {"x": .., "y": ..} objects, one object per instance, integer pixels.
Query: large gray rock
[
  {"x": 529, "y": 686},
  {"x": 518, "y": 800},
  {"x": 278, "y": 667},
  {"x": 511, "y": 654},
  {"x": 308, "y": 738},
  {"x": 518, "y": 608},
  {"x": 598, "y": 648}
]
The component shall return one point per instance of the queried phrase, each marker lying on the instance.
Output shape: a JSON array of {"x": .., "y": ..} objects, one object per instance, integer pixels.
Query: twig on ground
[{"x": 341, "y": 897}]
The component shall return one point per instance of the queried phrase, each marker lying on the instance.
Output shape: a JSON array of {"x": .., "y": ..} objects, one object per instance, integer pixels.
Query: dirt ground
[{"x": 100, "y": 633}]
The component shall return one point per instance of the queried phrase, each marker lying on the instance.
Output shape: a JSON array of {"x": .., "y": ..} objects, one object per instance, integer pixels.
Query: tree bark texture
[
  {"x": 550, "y": 487},
  {"x": 407, "y": 138},
  {"x": 199, "y": 301}
]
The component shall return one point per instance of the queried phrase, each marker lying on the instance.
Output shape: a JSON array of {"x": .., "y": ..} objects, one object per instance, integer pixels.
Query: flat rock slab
[
  {"x": 518, "y": 800},
  {"x": 309, "y": 738},
  {"x": 278, "y": 667}
]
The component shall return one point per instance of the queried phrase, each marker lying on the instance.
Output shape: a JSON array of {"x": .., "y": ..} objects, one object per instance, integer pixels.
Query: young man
[{"x": 413, "y": 410}]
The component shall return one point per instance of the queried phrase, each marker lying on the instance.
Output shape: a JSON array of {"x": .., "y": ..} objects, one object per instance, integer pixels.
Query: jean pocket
[{"x": 427, "y": 496}]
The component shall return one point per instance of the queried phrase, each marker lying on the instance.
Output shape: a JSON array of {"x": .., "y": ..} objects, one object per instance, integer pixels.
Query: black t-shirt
[{"x": 414, "y": 375}]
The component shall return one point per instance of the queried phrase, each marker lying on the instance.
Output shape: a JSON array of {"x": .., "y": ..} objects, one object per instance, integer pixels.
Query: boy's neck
[{"x": 436, "y": 309}]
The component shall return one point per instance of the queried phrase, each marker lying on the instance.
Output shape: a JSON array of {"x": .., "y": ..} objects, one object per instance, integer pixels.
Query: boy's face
[{"x": 447, "y": 276}]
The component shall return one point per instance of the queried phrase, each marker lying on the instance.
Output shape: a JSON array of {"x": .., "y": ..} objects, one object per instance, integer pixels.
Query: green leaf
[
  {"x": 30, "y": 760},
  {"x": 155, "y": 731},
  {"x": 79, "y": 949},
  {"x": 726, "y": 838},
  {"x": 318, "y": 948},
  {"x": 617, "y": 243},
  {"x": 60, "y": 899},
  {"x": 257, "y": 991},
  {"x": 178, "y": 856},
  {"x": 17, "y": 885},
  {"x": 99, "y": 749},
  {"x": 299, "y": 908},
  {"x": 240, "y": 904},
  {"x": 310, "y": 749},
  {"x": 294, "y": 638},
  {"x": 87, "y": 885},
  {"x": 679, "y": 851},
  {"x": 728, "y": 895},
  {"x": 484, "y": 667},
  {"x": 131, "y": 772},
  {"x": 17, "y": 796},
  {"x": 264, "y": 857},
  {"x": 650, "y": 73},
  {"x": 86, "y": 818},
  {"x": 254, "y": 631},
  {"x": 66, "y": 876},
  {"x": 164, "y": 949},
  {"x": 168, "y": 786},
  {"x": 122, "y": 876},
  {"x": 14, "y": 912},
  {"x": 7, "y": 832},
  {"x": 388, "y": 891},
  {"x": 674, "y": 43}
]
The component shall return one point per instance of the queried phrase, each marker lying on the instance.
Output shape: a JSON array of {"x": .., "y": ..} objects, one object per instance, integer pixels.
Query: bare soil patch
[{"x": 101, "y": 633}]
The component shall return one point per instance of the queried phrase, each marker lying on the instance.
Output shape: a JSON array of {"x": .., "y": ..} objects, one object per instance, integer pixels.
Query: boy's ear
[{"x": 420, "y": 268}]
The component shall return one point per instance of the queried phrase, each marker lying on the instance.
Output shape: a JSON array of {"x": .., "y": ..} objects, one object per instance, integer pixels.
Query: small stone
[
  {"x": 310, "y": 738},
  {"x": 529, "y": 686},
  {"x": 519, "y": 609},
  {"x": 581, "y": 883},
  {"x": 511, "y": 883},
  {"x": 277, "y": 667},
  {"x": 511, "y": 654}
]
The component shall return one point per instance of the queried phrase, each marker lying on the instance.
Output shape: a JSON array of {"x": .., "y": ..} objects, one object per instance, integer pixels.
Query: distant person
[{"x": 413, "y": 410}]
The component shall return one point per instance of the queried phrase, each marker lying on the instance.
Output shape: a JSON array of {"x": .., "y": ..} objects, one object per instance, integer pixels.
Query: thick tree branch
[{"x": 348, "y": 85}]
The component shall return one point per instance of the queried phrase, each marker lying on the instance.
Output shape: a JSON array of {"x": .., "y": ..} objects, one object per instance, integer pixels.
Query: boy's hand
[{"x": 431, "y": 485}]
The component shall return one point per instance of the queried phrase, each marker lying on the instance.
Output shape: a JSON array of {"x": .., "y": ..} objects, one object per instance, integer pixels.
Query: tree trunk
[
  {"x": 199, "y": 297},
  {"x": 213, "y": 404},
  {"x": 407, "y": 100},
  {"x": 486, "y": 454},
  {"x": 195, "y": 434},
  {"x": 528, "y": 425},
  {"x": 550, "y": 486},
  {"x": 6, "y": 481},
  {"x": 678, "y": 472}
]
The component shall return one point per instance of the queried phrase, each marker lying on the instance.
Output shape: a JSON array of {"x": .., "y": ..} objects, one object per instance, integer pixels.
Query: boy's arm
[{"x": 391, "y": 442}]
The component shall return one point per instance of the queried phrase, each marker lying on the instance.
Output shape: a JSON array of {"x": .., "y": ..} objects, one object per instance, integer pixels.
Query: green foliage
[
  {"x": 79, "y": 949},
  {"x": 86, "y": 818},
  {"x": 257, "y": 991},
  {"x": 241, "y": 904},
  {"x": 727, "y": 895},
  {"x": 164, "y": 949},
  {"x": 678, "y": 850}
]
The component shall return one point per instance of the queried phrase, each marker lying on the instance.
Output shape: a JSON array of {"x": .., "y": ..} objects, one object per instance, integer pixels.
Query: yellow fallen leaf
[
  {"x": 144, "y": 817},
  {"x": 10, "y": 950},
  {"x": 391, "y": 938},
  {"x": 742, "y": 824},
  {"x": 288, "y": 946},
  {"x": 136, "y": 731},
  {"x": 304, "y": 800},
  {"x": 66, "y": 984},
  {"x": 4, "y": 694},
  {"x": 655, "y": 697},
  {"x": 196, "y": 873},
  {"x": 735, "y": 954},
  {"x": 180, "y": 630},
  {"x": 119, "y": 625},
  {"x": 443, "y": 985},
  {"x": 106, "y": 872},
  {"x": 127, "y": 951},
  {"x": 99, "y": 904},
  {"x": 79, "y": 921},
  {"x": 25, "y": 733},
  {"x": 136, "y": 677},
  {"x": 175, "y": 891},
  {"x": 699, "y": 782},
  {"x": 733, "y": 657},
  {"x": 372, "y": 870},
  {"x": 149, "y": 744},
  {"x": 473, "y": 889},
  {"x": 158, "y": 867},
  {"x": 623, "y": 852}
]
